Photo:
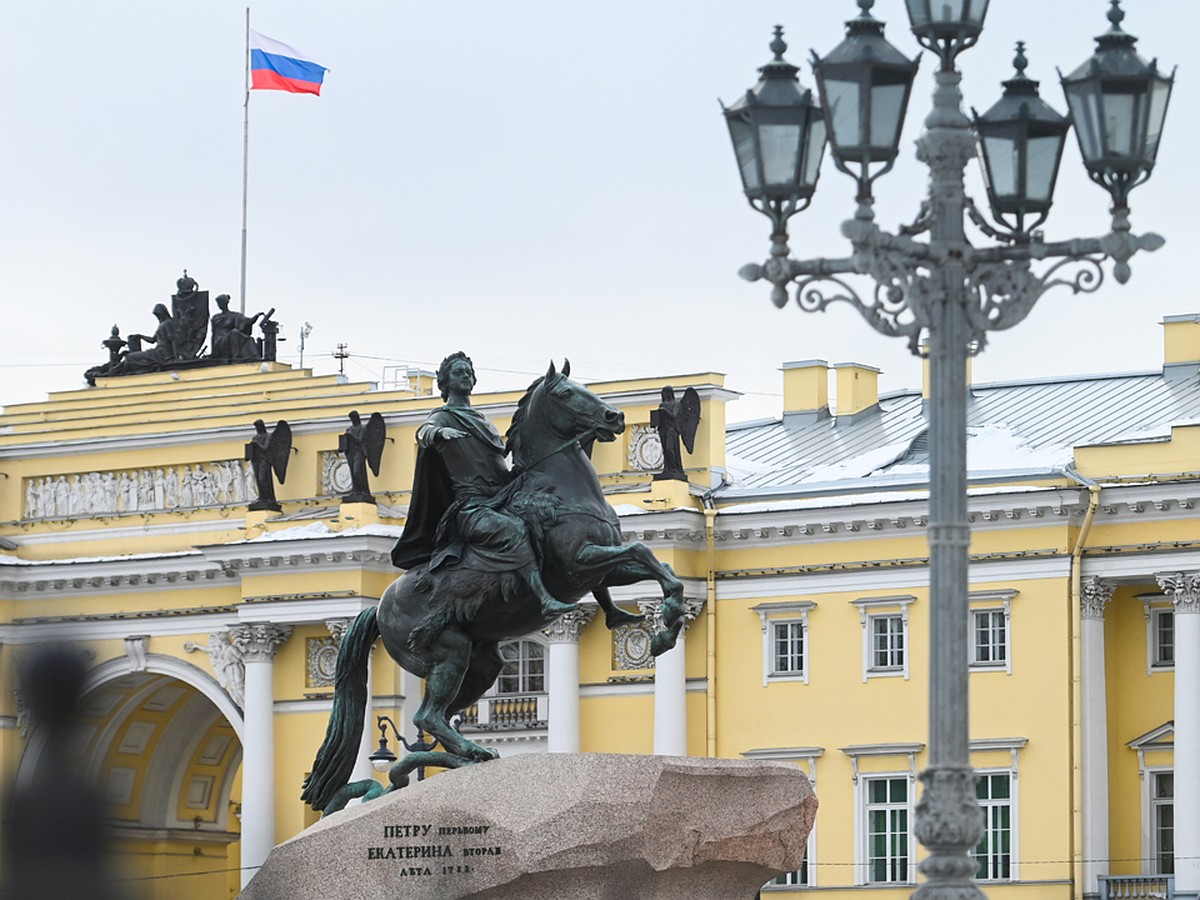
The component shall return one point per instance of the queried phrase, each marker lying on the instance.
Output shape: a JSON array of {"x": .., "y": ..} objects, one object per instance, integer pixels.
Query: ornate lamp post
[{"x": 951, "y": 291}]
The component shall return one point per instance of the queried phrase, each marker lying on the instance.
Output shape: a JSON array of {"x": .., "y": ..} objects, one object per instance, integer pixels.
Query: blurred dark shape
[{"x": 54, "y": 840}]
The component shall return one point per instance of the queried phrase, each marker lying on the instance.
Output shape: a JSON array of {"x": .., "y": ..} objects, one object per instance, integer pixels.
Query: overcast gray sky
[{"x": 518, "y": 179}]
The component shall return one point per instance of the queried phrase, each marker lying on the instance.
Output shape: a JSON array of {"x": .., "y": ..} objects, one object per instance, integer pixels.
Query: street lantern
[
  {"x": 1118, "y": 102},
  {"x": 947, "y": 27},
  {"x": 779, "y": 138},
  {"x": 865, "y": 84},
  {"x": 953, "y": 291},
  {"x": 1021, "y": 141}
]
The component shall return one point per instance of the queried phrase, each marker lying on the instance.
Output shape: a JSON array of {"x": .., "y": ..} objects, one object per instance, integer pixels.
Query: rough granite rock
[{"x": 557, "y": 826}]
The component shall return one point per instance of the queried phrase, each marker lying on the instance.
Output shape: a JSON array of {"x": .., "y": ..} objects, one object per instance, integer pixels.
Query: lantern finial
[
  {"x": 1116, "y": 15},
  {"x": 778, "y": 45},
  {"x": 1020, "y": 63}
]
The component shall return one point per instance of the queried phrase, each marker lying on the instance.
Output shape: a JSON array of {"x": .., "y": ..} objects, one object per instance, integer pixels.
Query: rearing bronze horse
[{"x": 579, "y": 536}]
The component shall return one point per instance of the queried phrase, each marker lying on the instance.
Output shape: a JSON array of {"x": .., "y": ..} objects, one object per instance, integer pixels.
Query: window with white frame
[
  {"x": 885, "y": 635},
  {"x": 806, "y": 758},
  {"x": 524, "y": 669},
  {"x": 989, "y": 644},
  {"x": 785, "y": 639},
  {"x": 1162, "y": 822},
  {"x": 799, "y": 878},
  {"x": 994, "y": 852},
  {"x": 991, "y": 632},
  {"x": 788, "y": 648},
  {"x": 1160, "y": 632},
  {"x": 887, "y": 814},
  {"x": 888, "y": 634},
  {"x": 1162, "y": 638},
  {"x": 883, "y": 812}
]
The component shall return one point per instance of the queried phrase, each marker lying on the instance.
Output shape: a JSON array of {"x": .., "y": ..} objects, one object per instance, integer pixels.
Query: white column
[
  {"x": 1095, "y": 594},
  {"x": 257, "y": 644},
  {"x": 562, "y": 667},
  {"x": 670, "y": 685},
  {"x": 1184, "y": 590},
  {"x": 366, "y": 745}
]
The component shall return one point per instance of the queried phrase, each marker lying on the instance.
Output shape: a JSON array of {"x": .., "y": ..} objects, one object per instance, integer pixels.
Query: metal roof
[{"x": 1031, "y": 425}]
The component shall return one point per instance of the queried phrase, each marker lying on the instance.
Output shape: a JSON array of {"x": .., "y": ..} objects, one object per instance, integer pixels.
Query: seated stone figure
[{"x": 231, "y": 333}]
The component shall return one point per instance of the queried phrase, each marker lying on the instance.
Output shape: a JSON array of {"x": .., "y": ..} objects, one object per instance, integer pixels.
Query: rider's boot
[{"x": 551, "y": 608}]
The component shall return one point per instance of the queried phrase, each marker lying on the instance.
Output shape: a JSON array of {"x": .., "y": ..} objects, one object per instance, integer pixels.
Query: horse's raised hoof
[
  {"x": 617, "y": 616},
  {"x": 663, "y": 641}
]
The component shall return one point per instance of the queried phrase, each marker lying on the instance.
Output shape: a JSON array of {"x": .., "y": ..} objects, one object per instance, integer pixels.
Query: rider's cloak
[{"x": 434, "y": 491}]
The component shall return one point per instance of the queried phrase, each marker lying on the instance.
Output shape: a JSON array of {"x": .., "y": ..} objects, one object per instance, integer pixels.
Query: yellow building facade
[{"x": 211, "y": 631}]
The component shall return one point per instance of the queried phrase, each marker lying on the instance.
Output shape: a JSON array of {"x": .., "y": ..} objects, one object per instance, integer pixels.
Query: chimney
[
  {"x": 1181, "y": 345},
  {"x": 857, "y": 389},
  {"x": 805, "y": 391}
]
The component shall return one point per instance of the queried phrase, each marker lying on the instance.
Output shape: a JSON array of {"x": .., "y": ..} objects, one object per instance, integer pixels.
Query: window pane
[
  {"x": 780, "y": 146},
  {"x": 841, "y": 98},
  {"x": 1040, "y": 167},
  {"x": 887, "y": 101},
  {"x": 743, "y": 148},
  {"x": 1002, "y": 155},
  {"x": 1118, "y": 123}
]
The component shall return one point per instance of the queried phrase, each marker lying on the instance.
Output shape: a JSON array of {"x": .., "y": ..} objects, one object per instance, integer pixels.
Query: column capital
[
  {"x": 652, "y": 610},
  {"x": 337, "y": 629},
  {"x": 1183, "y": 588},
  {"x": 1094, "y": 595},
  {"x": 259, "y": 641},
  {"x": 565, "y": 629}
]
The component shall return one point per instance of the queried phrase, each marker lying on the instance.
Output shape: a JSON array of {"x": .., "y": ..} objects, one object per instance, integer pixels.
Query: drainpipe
[
  {"x": 710, "y": 621},
  {"x": 1075, "y": 655}
]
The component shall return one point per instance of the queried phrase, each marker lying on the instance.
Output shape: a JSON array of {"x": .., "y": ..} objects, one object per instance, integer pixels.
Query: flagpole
[{"x": 245, "y": 161}]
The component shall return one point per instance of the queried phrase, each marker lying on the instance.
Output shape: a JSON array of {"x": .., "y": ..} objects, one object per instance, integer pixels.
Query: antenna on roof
[{"x": 341, "y": 354}]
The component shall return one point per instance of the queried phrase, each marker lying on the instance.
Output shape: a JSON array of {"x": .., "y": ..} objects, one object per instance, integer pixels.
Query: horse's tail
[{"x": 335, "y": 760}]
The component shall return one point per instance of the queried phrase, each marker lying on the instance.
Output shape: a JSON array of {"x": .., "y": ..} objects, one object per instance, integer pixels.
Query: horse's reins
[{"x": 592, "y": 432}]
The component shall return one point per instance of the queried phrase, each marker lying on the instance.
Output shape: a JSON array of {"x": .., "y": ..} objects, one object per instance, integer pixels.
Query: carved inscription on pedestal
[{"x": 421, "y": 850}]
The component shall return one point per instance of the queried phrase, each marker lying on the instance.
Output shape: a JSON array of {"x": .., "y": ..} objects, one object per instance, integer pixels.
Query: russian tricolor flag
[{"x": 274, "y": 66}]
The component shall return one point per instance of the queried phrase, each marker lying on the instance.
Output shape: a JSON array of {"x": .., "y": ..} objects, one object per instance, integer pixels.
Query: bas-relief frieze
[{"x": 157, "y": 489}]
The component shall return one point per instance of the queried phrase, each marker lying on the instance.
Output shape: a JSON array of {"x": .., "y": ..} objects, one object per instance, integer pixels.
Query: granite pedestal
[{"x": 557, "y": 826}]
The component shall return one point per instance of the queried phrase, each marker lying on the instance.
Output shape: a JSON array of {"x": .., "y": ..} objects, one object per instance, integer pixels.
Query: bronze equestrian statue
[{"x": 469, "y": 585}]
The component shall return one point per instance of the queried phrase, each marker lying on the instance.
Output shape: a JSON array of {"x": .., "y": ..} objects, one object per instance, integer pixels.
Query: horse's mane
[{"x": 513, "y": 435}]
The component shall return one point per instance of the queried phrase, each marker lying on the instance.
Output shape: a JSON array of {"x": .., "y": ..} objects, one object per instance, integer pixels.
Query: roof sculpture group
[{"x": 180, "y": 339}]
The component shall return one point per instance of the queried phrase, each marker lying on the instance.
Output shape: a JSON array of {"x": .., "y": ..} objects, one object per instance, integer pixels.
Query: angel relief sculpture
[
  {"x": 268, "y": 455},
  {"x": 363, "y": 447},
  {"x": 676, "y": 420}
]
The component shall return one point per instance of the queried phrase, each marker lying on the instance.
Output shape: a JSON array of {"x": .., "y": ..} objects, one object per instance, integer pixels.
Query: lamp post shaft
[{"x": 948, "y": 821}]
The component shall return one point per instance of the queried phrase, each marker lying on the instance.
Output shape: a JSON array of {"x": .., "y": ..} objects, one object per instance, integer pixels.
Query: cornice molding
[{"x": 789, "y": 584}]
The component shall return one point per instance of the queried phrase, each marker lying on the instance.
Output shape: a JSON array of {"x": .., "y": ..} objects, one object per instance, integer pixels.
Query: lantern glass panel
[
  {"x": 841, "y": 99},
  {"x": 974, "y": 11},
  {"x": 1119, "y": 111},
  {"x": 1001, "y": 154},
  {"x": 887, "y": 109},
  {"x": 1159, "y": 93},
  {"x": 814, "y": 150},
  {"x": 743, "y": 148},
  {"x": 1085, "y": 112},
  {"x": 1039, "y": 167},
  {"x": 780, "y": 150}
]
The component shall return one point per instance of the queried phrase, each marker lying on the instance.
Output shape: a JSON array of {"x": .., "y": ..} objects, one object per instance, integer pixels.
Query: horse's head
[{"x": 556, "y": 411}]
